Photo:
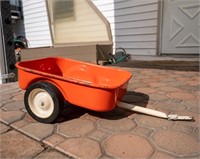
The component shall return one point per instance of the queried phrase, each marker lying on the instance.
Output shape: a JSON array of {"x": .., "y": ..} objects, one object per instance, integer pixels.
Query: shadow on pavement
[{"x": 73, "y": 112}]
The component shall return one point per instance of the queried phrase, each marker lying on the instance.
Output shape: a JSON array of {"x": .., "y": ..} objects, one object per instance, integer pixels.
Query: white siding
[
  {"x": 133, "y": 24},
  {"x": 36, "y": 23}
]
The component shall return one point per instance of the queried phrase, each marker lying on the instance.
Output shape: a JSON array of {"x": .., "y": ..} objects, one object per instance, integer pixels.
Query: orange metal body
[{"x": 87, "y": 85}]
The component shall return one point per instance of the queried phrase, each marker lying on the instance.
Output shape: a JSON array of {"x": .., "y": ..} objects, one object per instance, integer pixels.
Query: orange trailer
[{"x": 50, "y": 81}]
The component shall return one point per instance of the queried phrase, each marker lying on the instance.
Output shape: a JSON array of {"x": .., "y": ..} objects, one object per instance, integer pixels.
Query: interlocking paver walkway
[{"x": 82, "y": 133}]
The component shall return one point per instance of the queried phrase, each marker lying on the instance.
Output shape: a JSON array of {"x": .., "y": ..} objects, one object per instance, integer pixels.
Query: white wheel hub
[{"x": 41, "y": 103}]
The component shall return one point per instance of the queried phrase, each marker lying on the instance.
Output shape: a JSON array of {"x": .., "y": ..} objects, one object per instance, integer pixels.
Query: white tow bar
[{"x": 155, "y": 113}]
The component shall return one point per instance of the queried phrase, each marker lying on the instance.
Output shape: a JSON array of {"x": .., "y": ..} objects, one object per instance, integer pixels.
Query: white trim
[
  {"x": 3, "y": 66},
  {"x": 160, "y": 26}
]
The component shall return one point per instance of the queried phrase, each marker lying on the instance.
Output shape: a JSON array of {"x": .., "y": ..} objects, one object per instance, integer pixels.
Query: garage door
[{"x": 181, "y": 27}]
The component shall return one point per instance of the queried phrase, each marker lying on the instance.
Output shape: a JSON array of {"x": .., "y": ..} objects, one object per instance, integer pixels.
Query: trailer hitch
[
  {"x": 177, "y": 117},
  {"x": 155, "y": 113}
]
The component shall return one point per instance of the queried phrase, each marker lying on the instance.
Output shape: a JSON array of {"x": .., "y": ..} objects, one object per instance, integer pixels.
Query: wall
[
  {"x": 36, "y": 23},
  {"x": 134, "y": 24}
]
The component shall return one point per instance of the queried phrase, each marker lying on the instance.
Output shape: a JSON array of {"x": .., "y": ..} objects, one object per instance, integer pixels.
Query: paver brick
[
  {"x": 142, "y": 131},
  {"x": 184, "y": 128},
  {"x": 153, "y": 122},
  {"x": 15, "y": 145},
  {"x": 161, "y": 155},
  {"x": 4, "y": 97},
  {"x": 53, "y": 140},
  {"x": 182, "y": 95},
  {"x": 158, "y": 97},
  {"x": 11, "y": 106},
  {"x": 11, "y": 116},
  {"x": 156, "y": 84},
  {"x": 3, "y": 128},
  {"x": 80, "y": 148},
  {"x": 98, "y": 135},
  {"x": 48, "y": 154},
  {"x": 29, "y": 119},
  {"x": 189, "y": 88},
  {"x": 128, "y": 146},
  {"x": 197, "y": 134},
  {"x": 18, "y": 97},
  {"x": 38, "y": 131},
  {"x": 175, "y": 142},
  {"x": 171, "y": 106},
  {"x": 146, "y": 90},
  {"x": 119, "y": 125},
  {"x": 75, "y": 128},
  {"x": 19, "y": 124},
  {"x": 169, "y": 89}
]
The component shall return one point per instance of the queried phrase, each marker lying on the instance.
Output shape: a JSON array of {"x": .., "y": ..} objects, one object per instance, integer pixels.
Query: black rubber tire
[{"x": 55, "y": 95}]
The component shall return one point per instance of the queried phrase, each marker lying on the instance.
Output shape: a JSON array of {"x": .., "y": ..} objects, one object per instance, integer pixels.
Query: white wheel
[{"x": 41, "y": 103}]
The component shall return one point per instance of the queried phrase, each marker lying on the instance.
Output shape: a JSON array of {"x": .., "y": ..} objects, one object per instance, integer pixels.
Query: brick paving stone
[
  {"x": 98, "y": 135},
  {"x": 169, "y": 89},
  {"x": 182, "y": 95},
  {"x": 106, "y": 157},
  {"x": 153, "y": 122},
  {"x": 128, "y": 146},
  {"x": 18, "y": 97},
  {"x": 4, "y": 97},
  {"x": 175, "y": 83},
  {"x": 189, "y": 88},
  {"x": 149, "y": 79},
  {"x": 119, "y": 125},
  {"x": 156, "y": 84},
  {"x": 178, "y": 143},
  {"x": 90, "y": 117},
  {"x": 19, "y": 124},
  {"x": 53, "y": 140},
  {"x": 75, "y": 128},
  {"x": 193, "y": 82},
  {"x": 182, "y": 79},
  {"x": 29, "y": 119},
  {"x": 15, "y": 145},
  {"x": 184, "y": 128},
  {"x": 11, "y": 116},
  {"x": 3, "y": 128},
  {"x": 158, "y": 97},
  {"x": 80, "y": 148},
  {"x": 146, "y": 90},
  {"x": 16, "y": 105},
  {"x": 11, "y": 91},
  {"x": 161, "y": 155},
  {"x": 51, "y": 154},
  {"x": 192, "y": 103},
  {"x": 142, "y": 131},
  {"x": 136, "y": 85},
  {"x": 171, "y": 106},
  {"x": 197, "y": 134},
  {"x": 38, "y": 131}
]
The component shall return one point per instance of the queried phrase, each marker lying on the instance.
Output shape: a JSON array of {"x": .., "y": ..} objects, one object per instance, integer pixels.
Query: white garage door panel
[{"x": 181, "y": 27}]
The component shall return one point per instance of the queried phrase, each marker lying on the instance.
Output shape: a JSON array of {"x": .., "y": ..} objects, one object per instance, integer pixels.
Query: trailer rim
[{"x": 41, "y": 103}]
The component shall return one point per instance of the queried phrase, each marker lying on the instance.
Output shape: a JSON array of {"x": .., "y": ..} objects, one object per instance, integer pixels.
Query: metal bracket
[
  {"x": 155, "y": 113},
  {"x": 7, "y": 76},
  {"x": 177, "y": 117}
]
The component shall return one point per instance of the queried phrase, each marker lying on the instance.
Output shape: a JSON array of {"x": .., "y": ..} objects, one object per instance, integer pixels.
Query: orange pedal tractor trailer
[{"x": 51, "y": 81}]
